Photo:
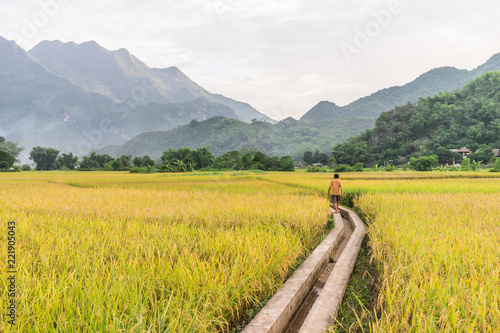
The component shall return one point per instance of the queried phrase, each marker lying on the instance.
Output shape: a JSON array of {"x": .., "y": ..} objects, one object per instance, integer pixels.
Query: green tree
[
  {"x": 308, "y": 157},
  {"x": 95, "y": 161},
  {"x": 496, "y": 166},
  {"x": 202, "y": 157},
  {"x": 6, "y": 160},
  {"x": 287, "y": 164},
  {"x": 45, "y": 158},
  {"x": 10, "y": 147},
  {"x": 358, "y": 167},
  {"x": 228, "y": 160},
  {"x": 484, "y": 153},
  {"x": 122, "y": 163},
  {"x": 424, "y": 163},
  {"x": 67, "y": 161},
  {"x": 247, "y": 160}
]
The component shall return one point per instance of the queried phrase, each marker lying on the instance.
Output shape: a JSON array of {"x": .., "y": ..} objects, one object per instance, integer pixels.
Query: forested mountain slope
[{"x": 469, "y": 117}]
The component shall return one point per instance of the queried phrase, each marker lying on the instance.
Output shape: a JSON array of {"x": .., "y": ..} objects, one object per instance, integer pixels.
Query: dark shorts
[{"x": 335, "y": 199}]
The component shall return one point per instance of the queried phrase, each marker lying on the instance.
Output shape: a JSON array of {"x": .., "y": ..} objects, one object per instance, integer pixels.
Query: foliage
[
  {"x": 315, "y": 168},
  {"x": 288, "y": 137},
  {"x": 342, "y": 168},
  {"x": 425, "y": 273},
  {"x": 424, "y": 163},
  {"x": 465, "y": 118},
  {"x": 475, "y": 165},
  {"x": 67, "y": 161},
  {"x": 144, "y": 161},
  {"x": 287, "y": 164},
  {"x": 95, "y": 161},
  {"x": 496, "y": 167},
  {"x": 10, "y": 147},
  {"x": 484, "y": 153},
  {"x": 317, "y": 157},
  {"x": 171, "y": 245},
  {"x": 45, "y": 158},
  {"x": 122, "y": 163},
  {"x": 6, "y": 160},
  {"x": 245, "y": 160},
  {"x": 389, "y": 167},
  {"x": 358, "y": 167},
  {"x": 201, "y": 157}
]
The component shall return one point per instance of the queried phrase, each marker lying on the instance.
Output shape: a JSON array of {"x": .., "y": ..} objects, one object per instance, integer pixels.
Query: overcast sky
[{"x": 281, "y": 56}]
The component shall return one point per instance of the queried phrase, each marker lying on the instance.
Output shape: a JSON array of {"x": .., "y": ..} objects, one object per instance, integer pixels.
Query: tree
[
  {"x": 144, "y": 161},
  {"x": 308, "y": 157},
  {"x": 423, "y": 163},
  {"x": 137, "y": 161},
  {"x": 287, "y": 164},
  {"x": 122, "y": 162},
  {"x": 202, "y": 157},
  {"x": 10, "y": 147},
  {"x": 67, "y": 161},
  {"x": 95, "y": 161},
  {"x": 6, "y": 160},
  {"x": 358, "y": 167},
  {"x": 228, "y": 160},
  {"x": 45, "y": 158},
  {"x": 272, "y": 163},
  {"x": 247, "y": 160},
  {"x": 484, "y": 153}
]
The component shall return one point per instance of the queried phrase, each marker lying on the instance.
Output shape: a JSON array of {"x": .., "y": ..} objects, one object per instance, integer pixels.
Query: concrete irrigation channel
[{"x": 309, "y": 300}]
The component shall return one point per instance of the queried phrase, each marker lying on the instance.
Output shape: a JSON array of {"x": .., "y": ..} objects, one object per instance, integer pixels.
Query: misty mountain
[
  {"x": 124, "y": 78},
  {"x": 428, "y": 84},
  {"x": 78, "y": 97},
  {"x": 287, "y": 137}
]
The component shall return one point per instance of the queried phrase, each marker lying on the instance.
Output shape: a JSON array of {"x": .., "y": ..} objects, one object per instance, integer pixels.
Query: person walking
[{"x": 336, "y": 191}]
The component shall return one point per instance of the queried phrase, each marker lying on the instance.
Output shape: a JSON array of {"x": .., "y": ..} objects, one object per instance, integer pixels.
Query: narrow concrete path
[
  {"x": 300, "y": 316},
  {"x": 309, "y": 301}
]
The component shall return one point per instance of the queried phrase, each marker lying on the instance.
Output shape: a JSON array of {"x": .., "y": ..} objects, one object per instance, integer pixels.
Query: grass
[
  {"x": 116, "y": 252},
  {"x": 120, "y": 252}
]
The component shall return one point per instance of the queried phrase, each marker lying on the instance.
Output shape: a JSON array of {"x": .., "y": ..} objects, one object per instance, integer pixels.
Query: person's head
[{"x": 336, "y": 176}]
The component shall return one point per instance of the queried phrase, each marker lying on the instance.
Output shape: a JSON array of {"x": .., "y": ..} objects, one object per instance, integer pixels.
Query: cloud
[{"x": 281, "y": 56}]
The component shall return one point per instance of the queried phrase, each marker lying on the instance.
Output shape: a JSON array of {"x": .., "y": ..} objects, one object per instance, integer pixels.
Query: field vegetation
[{"x": 120, "y": 252}]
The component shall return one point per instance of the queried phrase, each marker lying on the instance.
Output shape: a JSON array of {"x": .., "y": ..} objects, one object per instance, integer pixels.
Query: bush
[
  {"x": 26, "y": 167},
  {"x": 423, "y": 163},
  {"x": 342, "y": 168},
  {"x": 496, "y": 167},
  {"x": 358, "y": 167},
  {"x": 389, "y": 167}
]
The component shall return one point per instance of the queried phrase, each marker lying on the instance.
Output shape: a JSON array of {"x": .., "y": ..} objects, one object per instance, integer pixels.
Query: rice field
[
  {"x": 119, "y": 252},
  {"x": 115, "y": 252}
]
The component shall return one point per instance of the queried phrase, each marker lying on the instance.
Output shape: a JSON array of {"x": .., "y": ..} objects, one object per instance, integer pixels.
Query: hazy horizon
[{"x": 280, "y": 57}]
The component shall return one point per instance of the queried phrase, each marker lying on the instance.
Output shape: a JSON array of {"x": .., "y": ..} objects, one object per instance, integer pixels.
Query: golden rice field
[{"x": 119, "y": 252}]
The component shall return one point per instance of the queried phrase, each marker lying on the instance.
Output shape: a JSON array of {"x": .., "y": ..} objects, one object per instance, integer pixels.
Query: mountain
[
  {"x": 469, "y": 117},
  {"x": 124, "y": 78},
  {"x": 428, "y": 84},
  {"x": 287, "y": 137},
  {"x": 38, "y": 107},
  {"x": 78, "y": 97}
]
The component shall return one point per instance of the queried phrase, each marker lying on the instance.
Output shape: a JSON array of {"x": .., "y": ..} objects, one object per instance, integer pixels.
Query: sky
[{"x": 280, "y": 56}]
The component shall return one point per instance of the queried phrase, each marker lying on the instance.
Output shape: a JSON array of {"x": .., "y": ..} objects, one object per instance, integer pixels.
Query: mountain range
[
  {"x": 79, "y": 97},
  {"x": 83, "y": 97},
  {"x": 428, "y": 84},
  {"x": 321, "y": 128}
]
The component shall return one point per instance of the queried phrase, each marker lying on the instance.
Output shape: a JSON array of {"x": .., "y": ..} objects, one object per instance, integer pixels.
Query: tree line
[
  {"x": 431, "y": 127},
  {"x": 180, "y": 160}
]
